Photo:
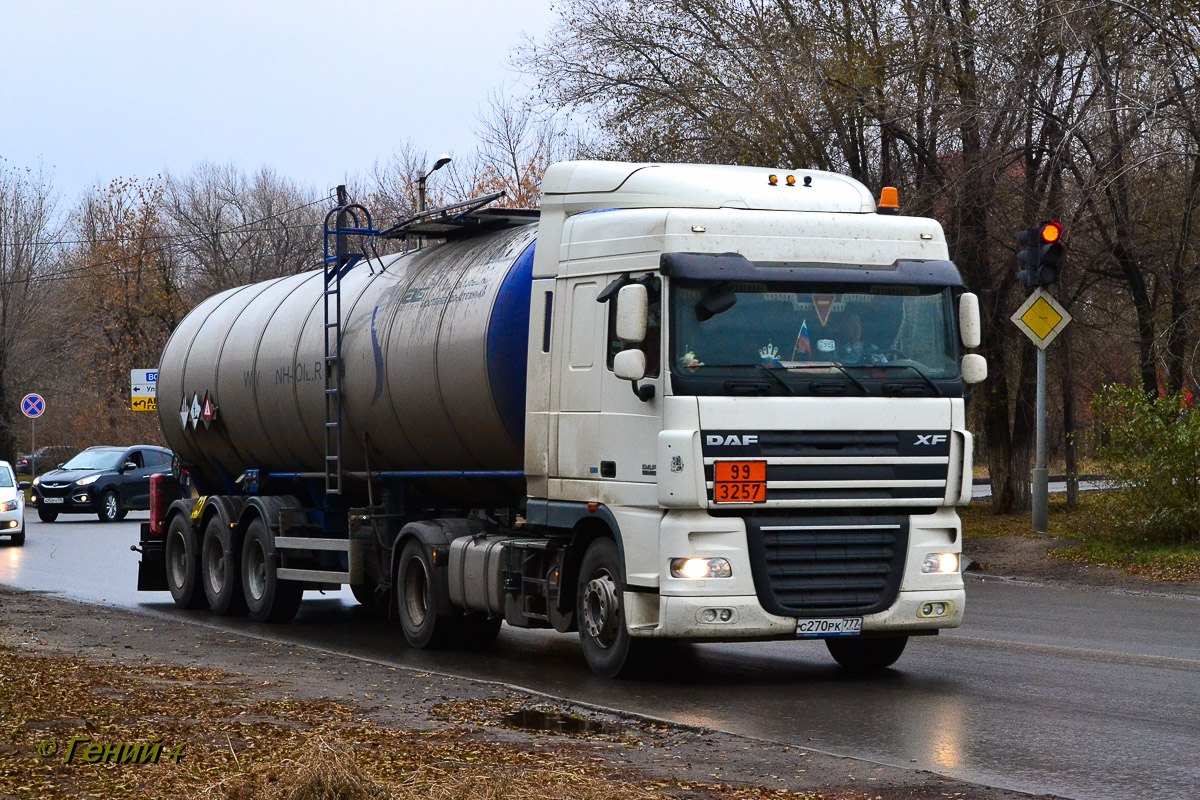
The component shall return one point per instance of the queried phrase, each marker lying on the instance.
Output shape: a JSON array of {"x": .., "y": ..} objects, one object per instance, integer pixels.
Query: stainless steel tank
[{"x": 433, "y": 358}]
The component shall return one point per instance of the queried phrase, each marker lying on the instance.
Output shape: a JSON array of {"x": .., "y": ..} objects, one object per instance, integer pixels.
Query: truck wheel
[
  {"x": 365, "y": 594},
  {"x": 221, "y": 569},
  {"x": 183, "y": 564},
  {"x": 866, "y": 655},
  {"x": 268, "y": 599},
  {"x": 609, "y": 649},
  {"x": 110, "y": 507},
  {"x": 46, "y": 515},
  {"x": 416, "y": 604}
]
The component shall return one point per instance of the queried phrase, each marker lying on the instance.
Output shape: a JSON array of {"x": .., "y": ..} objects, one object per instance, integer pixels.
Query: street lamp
[{"x": 442, "y": 161}]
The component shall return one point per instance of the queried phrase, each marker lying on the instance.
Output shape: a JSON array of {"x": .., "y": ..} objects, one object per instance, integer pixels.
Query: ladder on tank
[{"x": 337, "y": 264}]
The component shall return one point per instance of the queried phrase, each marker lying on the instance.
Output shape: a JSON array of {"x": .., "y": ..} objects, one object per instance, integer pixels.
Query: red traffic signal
[{"x": 1041, "y": 254}]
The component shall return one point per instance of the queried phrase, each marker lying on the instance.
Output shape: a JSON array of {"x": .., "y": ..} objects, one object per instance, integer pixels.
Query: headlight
[
  {"x": 697, "y": 568},
  {"x": 88, "y": 481},
  {"x": 944, "y": 563},
  {"x": 8, "y": 505},
  {"x": 36, "y": 481}
]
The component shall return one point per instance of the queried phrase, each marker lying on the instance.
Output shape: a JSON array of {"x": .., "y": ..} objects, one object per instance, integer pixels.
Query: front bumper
[
  {"x": 12, "y": 522},
  {"x": 78, "y": 501},
  {"x": 674, "y": 617}
]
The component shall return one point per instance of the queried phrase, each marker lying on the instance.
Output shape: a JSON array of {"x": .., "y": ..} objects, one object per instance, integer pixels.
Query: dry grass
[
  {"x": 242, "y": 741},
  {"x": 1090, "y": 525}
]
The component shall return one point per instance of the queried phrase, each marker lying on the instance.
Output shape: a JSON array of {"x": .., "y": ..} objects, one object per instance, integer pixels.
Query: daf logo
[
  {"x": 932, "y": 438},
  {"x": 745, "y": 440}
]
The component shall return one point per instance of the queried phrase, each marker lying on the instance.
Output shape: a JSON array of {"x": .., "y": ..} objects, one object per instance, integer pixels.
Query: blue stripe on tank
[{"x": 507, "y": 345}]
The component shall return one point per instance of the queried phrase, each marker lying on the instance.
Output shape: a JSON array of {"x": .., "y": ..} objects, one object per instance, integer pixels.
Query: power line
[
  {"x": 169, "y": 236},
  {"x": 66, "y": 274}
]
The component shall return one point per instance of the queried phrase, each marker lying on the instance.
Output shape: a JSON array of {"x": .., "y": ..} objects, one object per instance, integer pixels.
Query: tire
[
  {"x": 221, "y": 569},
  {"x": 183, "y": 564},
  {"x": 110, "y": 507},
  {"x": 866, "y": 655},
  {"x": 416, "y": 603},
  {"x": 46, "y": 515},
  {"x": 268, "y": 599},
  {"x": 18, "y": 539},
  {"x": 365, "y": 594},
  {"x": 609, "y": 649}
]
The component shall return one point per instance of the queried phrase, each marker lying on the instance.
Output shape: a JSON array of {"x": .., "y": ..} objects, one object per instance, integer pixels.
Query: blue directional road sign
[{"x": 32, "y": 405}]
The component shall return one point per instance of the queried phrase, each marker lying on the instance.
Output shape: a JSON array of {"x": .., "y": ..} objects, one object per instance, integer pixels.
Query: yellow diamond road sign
[{"x": 1041, "y": 318}]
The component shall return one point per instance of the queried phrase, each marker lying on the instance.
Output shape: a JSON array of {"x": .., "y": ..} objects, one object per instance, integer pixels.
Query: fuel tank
[{"x": 433, "y": 358}]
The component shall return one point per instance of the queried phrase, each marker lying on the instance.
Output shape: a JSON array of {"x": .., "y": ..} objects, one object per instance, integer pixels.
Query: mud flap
[{"x": 152, "y": 568}]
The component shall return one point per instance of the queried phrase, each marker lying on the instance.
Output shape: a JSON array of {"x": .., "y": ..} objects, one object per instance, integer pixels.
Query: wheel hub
[{"x": 600, "y": 609}]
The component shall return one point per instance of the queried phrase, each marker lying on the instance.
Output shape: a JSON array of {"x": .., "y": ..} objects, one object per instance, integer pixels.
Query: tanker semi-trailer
[{"x": 682, "y": 402}]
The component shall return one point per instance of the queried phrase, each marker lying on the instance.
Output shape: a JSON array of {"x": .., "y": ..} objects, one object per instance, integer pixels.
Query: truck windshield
[{"x": 815, "y": 339}]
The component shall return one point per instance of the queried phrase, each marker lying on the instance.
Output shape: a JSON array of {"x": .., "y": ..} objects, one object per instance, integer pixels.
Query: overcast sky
[{"x": 98, "y": 90}]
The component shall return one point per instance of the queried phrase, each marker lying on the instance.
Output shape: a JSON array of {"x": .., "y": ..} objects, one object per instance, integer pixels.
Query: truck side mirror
[
  {"x": 630, "y": 365},
  {"x": 969, "y": 324},
  {"x": 633, "y": 314},
  {"x": 974, "y": 368}
]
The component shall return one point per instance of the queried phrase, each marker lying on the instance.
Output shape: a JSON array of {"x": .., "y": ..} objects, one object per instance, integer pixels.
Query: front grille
[
  {"x": 827, "y": 566},
  {"x": 839, "y": 468}
]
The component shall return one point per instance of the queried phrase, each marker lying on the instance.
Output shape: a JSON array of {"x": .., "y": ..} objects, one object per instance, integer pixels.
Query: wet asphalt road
[{"x": 1081, "y": 693}]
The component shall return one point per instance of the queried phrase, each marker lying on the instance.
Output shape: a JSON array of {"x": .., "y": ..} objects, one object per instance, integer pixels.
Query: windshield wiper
[
  {"x": 827, "y": 365},
  {"x": 771, "y": 371},
  {"x": 924, "y": 377}
]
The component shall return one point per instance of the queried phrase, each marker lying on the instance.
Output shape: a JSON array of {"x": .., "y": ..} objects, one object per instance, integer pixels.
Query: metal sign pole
[
  {"x": 1041, "y": 511},
  {"x": 32, "y": 448}
]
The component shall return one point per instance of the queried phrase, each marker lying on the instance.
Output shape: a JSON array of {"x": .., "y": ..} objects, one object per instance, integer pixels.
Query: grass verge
[
  {"x": 1095, "y": 540},
  {"x": 224, "y": 736}
]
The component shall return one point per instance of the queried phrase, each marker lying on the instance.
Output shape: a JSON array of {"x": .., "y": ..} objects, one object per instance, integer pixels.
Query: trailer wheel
[
  {"x": 268, "y": 599},
  {"x": 866, "y": 655},
  {"x": 183, "y": 564},
  {"x": 609, "y": 649},
  {"x": 416, "y": 604},
  {"x": 220, "y": 568}
]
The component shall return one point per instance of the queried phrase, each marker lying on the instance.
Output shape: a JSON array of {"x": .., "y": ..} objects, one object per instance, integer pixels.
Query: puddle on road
[{"x": 531, "y": 719}]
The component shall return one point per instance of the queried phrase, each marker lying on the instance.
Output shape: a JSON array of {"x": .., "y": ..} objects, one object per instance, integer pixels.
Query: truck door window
[{"x": 652, "y": 345}]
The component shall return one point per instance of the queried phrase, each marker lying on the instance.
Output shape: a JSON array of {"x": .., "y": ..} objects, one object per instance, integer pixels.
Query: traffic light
[{"x": 1041, "y": 254}]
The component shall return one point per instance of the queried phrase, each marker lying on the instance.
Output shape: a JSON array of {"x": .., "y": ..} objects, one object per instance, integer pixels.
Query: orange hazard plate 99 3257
[{"x": 740, "y": 482}]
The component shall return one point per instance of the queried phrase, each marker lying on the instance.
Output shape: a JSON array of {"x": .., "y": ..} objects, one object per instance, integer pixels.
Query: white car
[{"x": 12, "y": 505}]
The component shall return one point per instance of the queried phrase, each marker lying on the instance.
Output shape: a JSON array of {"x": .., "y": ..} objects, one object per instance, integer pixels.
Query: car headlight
[
  {"x": 8, "y": 505},
  {"x": 944, "y": 563},
  {"x": 698, "y": 568},
  {"x": 88, "y": 481},
  {"x": 36, "y": 481}
]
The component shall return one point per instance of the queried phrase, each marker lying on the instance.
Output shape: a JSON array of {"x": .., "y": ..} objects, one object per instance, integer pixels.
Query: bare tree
[
  {"x": 27, "y": 250},
  {"x": 231, "y": 229}
]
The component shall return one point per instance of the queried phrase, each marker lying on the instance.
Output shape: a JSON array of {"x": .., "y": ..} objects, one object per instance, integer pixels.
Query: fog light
[
  {"x": 715, "y": 615},
  {"x": 940, "y": 608},
  {"x": 12, "y": 523},
  {"x": 697, "y": 568},
  {"x": 944, "y": 563},
  {"x": 80, "y": 498}
]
